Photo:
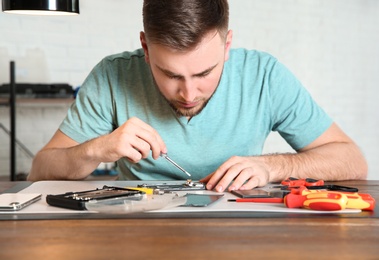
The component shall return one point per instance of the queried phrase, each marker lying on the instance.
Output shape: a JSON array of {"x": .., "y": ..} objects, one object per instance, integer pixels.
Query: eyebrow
[{"x": 200, "y": 74}]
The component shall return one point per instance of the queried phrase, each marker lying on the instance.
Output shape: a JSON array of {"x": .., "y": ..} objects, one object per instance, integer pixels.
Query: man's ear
[
  {"x": 142, "y": 38},
  {"x": 228, "y": 43}
]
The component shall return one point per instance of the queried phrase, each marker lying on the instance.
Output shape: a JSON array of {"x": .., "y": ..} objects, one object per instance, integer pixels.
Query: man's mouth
[{"x": 187, "y": 105}]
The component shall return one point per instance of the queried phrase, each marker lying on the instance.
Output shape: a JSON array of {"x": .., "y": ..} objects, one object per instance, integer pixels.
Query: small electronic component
[{"x": 165, "y": 188}]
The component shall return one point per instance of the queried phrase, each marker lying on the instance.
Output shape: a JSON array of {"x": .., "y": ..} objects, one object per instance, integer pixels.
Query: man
[{"x": 186, "y": 92}]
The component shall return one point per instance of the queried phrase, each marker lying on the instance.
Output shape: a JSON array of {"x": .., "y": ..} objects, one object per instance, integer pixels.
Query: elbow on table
[
  {"x": 36, "y": 171},
  {"x": 359, "y": 169},
  {"x": 363, "y": 172}
]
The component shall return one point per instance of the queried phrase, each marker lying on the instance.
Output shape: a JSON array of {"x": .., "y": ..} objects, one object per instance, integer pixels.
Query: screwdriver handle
[
  {"x": 355, "y": 200},
  {"x": 361, "y": 201},
  {"x": 317, "y": 201}
]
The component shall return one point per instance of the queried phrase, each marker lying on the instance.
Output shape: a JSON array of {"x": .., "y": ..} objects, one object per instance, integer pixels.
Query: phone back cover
[{"x": 17, "y": 201}]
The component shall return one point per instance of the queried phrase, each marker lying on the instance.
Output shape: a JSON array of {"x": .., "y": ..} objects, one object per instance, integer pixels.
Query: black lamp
[{"x": 41, "y": 7}]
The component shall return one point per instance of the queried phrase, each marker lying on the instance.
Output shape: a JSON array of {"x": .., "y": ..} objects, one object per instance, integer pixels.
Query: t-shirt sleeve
[
  {"x": 295, "y": 115},
  {"x": 90, "y": 115}
]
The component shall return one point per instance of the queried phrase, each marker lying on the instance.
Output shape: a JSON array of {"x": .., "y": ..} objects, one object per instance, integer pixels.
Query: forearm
[
  {"x": 73, "y": 163},
  {"x": 332, "y": 161}
]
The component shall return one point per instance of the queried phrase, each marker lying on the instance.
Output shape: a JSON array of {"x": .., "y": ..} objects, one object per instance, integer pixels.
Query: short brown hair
[{"x": 181, "y": 24}]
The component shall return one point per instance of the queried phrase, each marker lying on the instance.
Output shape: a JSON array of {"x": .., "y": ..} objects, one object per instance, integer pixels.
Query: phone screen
[{"x": 201, "y": 200}]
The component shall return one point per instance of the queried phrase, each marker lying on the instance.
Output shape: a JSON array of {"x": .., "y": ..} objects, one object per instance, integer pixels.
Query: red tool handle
[
  {"x": 355, "y": 200},
  {"x": 361, "y": 201},
  {"x": 294, "y": 182},
  {"x": 317, "y": 201}
]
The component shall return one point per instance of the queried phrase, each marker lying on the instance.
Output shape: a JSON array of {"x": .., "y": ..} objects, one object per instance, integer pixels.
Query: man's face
[{"x": 188, "y": 79}]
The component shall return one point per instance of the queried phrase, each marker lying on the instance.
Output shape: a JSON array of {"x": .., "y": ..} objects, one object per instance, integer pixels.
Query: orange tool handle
[
  {"x": 355, "y": 200},
  {"x": 360, "y": 201},
  {"x": 317, "y": 201},
  {"x": 294, "y": 182}
]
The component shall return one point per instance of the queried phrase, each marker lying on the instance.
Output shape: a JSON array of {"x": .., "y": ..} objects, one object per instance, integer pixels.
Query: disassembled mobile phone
[
  {"x": 17, "y": 201},
  {"x": 78, "y": 200},
  {"x": 164, "y": 187},
  {"x": 254, "y": 193}
]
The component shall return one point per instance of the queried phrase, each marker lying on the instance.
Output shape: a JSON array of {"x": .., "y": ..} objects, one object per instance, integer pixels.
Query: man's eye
[
  {"x": 203, "y": 75},
  {"x": 174, "y": 77}
]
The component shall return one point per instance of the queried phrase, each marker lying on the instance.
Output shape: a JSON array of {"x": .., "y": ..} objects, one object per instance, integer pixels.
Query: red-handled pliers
[{"x": 295, "y": 182}]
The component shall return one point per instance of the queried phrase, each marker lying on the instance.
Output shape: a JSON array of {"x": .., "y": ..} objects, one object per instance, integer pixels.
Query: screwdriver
[
  {"x": 317, "y": 200},
  {"x": 164, "y": 155},
  {"x": 330, "y": 200},
  {"x": 355, "y": 200}
]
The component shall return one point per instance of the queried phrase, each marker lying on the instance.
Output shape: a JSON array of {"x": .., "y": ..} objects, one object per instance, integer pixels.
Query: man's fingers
[
  {"x": 142, "y": 147},
  {"x": 206, "y": 179},
  {"x": 149, "y": 135},
  {"x": 254, "y": 182},
  {"x": 238, "y": 173},
  {"x": 244, "y": 175},
  {"x": 224, "y": 175},
  {"x": 133, "y": 156},
  {"x": 221, "y": 170},
  {"x": 230, "y": 175}
]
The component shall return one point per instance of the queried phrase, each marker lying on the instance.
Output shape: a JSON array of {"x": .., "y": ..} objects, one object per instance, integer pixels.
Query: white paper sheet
[{"x": 222, "y": 205}]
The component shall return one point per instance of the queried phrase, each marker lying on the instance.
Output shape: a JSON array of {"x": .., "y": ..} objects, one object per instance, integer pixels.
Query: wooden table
[{"x": 289, "y": 237}]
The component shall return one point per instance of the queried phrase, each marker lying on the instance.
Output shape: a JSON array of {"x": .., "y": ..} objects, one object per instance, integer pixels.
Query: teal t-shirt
[{"x": 256, "y": 95}]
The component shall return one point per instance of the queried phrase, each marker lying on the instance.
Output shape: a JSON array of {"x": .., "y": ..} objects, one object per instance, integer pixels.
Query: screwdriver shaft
[{"x": 175, "y": 164}]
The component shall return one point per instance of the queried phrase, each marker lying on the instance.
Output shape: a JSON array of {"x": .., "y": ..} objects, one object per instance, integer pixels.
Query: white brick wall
[
  {"x": 331, "y": 45},
  {"x": 35, "y": 124}
]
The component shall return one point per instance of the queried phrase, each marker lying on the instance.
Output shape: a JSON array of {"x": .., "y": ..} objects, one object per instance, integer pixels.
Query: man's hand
[
  {"x": 333, "y": 156},
  {"x": 244, "y": 173},
  {"x": 63, "y": 158},
  {"x": 133, "y": 140}
]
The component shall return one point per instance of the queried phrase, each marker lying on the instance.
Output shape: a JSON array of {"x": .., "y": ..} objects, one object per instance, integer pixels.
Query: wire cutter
[
  {"x": 292, "y": 182},
  {"x": 313, "y": 184},
  {"x": 333, "y": 187}
]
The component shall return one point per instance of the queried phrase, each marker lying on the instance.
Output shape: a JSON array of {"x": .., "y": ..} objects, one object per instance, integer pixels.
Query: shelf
[{"x": 38, "y": 102}]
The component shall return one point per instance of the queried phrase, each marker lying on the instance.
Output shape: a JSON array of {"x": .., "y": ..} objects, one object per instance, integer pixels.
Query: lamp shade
[{"x": 41, "y": 7}]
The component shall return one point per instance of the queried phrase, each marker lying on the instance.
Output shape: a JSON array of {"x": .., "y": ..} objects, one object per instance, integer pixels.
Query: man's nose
[{"x": 188, "y": 90}]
